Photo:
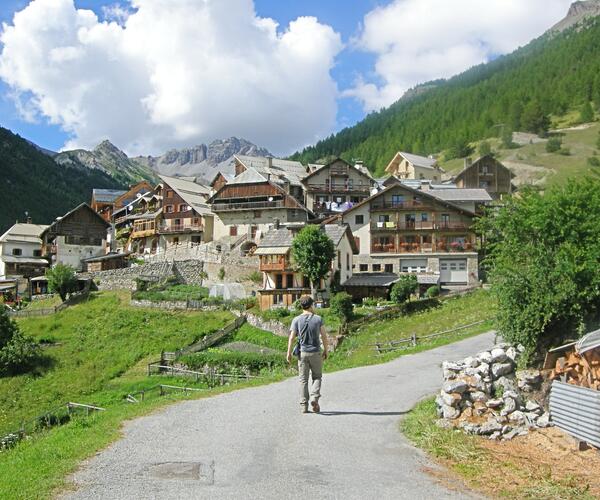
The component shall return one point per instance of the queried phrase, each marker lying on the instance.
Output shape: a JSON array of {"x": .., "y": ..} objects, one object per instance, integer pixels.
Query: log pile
[{"x": 579, "y": 369}]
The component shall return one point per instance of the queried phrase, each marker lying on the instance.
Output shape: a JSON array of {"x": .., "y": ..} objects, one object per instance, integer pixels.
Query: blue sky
[{"x": 387, "y": 46}]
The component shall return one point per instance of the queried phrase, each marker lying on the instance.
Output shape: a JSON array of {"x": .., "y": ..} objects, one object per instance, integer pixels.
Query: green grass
[
  {"x": 496, "y": 475},
  {"x": 96, "y": 342},
  {"x": 45, "y": 303},
  {"x": 357, "y": 349},
  {"x": 256, "y": 336},
  {"x": 174, "y": 293}
]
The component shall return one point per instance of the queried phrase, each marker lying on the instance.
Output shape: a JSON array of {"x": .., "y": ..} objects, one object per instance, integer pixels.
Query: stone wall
[
  {"x": 486, "y": 395},
  {"x": 171, "y": 305}
]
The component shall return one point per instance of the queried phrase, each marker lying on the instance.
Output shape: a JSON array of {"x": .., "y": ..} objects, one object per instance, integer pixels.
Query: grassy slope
[
  {"x": 96, "y": 342},
  {"x": 582, "y": 145},
  {"x": 103, "y": 356},
  {"x": 357, "y": 349},
  {"x": 498, "y": 475}
]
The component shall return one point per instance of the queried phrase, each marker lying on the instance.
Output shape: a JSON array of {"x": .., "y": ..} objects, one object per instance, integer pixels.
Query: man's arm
[
  {"x": 290, "y": 342},
  {"x": 324, "y": 340}
]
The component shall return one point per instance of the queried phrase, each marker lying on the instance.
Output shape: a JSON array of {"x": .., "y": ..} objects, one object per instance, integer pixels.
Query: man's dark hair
[{"x": 306, "y": 302}]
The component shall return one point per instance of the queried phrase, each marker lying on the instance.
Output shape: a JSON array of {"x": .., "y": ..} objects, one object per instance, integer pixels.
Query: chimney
[
  {"x": 425, "y": 185},
  {"x": 358, "y": 163},
  {"x": 29, "y": 220},
  {"x": 468, "y": 162},
  {"x": 269, "y": 162},
  {"x": 340, "y": 220}
]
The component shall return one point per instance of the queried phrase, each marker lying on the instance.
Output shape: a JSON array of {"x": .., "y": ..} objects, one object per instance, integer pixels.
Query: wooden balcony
[
  {"x": 404, "y": 248},
  {"x": 338, "y": 189},
  {"x": 247, "y": 205},
  {"x": 282, "y": 264},
  {"x": 402, "y": 226},
  {"x": 451, "y": 226},
  {"x": 400, "y": 205},
  {"x": 143, "y": 230},
  {"x": 180, "y": 228}
]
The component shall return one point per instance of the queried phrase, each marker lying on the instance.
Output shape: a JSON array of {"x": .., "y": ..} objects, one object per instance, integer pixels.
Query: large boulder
[
  {"x": 500, "y": 369},
  {"x": 499, "y": 355},
  {"x": 458, "y": 386}
]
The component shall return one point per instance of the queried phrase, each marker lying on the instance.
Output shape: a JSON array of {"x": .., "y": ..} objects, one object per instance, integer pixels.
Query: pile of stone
[{"x": 486, "y": 395}]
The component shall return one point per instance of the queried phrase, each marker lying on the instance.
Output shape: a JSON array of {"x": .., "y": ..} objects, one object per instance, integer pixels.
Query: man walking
[{"x": 309, "y": 329}]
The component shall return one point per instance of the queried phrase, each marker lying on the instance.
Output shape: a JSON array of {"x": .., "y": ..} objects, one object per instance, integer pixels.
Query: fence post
[
  {"x": 414, "y": 339},
  {"x": 378, "y": 346},
  {"x": 143, "y": 393},
  {"x": 161, "y": 390}
]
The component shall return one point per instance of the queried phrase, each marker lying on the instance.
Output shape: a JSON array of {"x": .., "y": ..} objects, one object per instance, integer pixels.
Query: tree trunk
[{"x": 313, "y": 290}]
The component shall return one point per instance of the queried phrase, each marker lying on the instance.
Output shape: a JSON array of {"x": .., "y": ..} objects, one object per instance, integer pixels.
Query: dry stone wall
[{"x": 486, "y": 395}]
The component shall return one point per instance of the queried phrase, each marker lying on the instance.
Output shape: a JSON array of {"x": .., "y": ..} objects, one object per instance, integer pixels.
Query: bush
[
  {"x": 370, "y": 302},
  {"x": 433, "y": 291},
  {"x": 141, "y": 285},
  {"x": 404, "y": 288},
  {"x": 341, "y": 306},
  {"x": 18, "y": 354},
  {"x": 255, "y": 277},
  {"x": 221, "y": 274},
  {"x": 275, "y": 314},
  {"x": 553, "y": 145},
  {"x": 227, "y": 362},
  {"x": 62, "y": 280},
  {"x": 564, "y": 151},
  {"x": 593, "y": 161}
]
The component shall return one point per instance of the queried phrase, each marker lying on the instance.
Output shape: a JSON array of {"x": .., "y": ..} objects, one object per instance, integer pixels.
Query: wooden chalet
[{"x": 489, "y": 174}]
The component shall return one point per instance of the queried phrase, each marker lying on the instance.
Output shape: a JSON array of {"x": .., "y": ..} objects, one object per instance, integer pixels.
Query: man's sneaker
[
  {"x": 304, "y": 408},
  {"x": 315, "y": 406}
]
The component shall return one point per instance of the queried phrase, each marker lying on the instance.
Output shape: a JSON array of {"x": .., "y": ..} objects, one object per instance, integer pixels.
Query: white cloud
[
  {"x": 416, "y": 41},
  {"x": 116, "y": 12},
  {"x": 175, "y": 73}
]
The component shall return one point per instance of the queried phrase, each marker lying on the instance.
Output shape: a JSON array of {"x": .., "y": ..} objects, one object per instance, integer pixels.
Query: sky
[{"x": 151, "y": 75}]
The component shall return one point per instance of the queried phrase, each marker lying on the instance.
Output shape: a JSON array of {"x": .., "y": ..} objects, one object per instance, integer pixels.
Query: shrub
[
  {"x": 221, "y": 274},
  {"x": 341, "y": 306},
  {"x": 404, "y": 288},
  {"x": 370, "y": 302},
  {"x": 255, "y": 277},
  {"x": 277, "y": 313},
  {"x": 18, "y": 354},
  {"x": 593, "y": 161},
  {"x": 553, "y": 145},
  {"x": 564, "y": 151},
  {"x": 61, "y": 280},
  {"x": 141, "y": 285},
  {"x": 433, "y": 291}
]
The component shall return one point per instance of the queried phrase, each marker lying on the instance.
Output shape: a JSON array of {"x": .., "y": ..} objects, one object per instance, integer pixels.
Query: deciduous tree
[
  {"x": 62, "y": 280},
  {"x": 312, "y": 253}
]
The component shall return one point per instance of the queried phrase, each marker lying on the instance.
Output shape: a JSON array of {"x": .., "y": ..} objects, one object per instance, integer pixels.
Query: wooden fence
[
  {"x": 413, "y": 340},
  {"x": 47, "y": 311},
  {"x": 209, "y": 375}
]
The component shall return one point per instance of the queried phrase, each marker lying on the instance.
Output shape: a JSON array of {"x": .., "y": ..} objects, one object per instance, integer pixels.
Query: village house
[
  {"x": 336, "y": 187},
  {"x": 186, "y": 216},
  {"x": 143, "y": 213},
  {"x": 282, "y": 284},
  {"x": 21, "y": 251},
  {"x": 78, "y": 235},
  {"x": 407, "y": 230},
  {"x": 411, "y": 166},
  {"x": 107, "y": 262},
  {"x": 107, "y": 201},
  {"x": 250, "y": 203},
  {"x": 489, "y": 174}
]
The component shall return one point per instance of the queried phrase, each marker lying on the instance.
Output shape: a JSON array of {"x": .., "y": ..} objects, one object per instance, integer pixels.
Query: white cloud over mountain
[
  {"x": 416, "y": 41},
  {"x": 170, "y": 73}
]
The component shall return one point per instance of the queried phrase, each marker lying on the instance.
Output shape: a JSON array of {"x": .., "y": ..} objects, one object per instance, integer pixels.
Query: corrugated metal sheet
[
  {"x": 576, "y": 410},
  {"x": 589, "y": 342}
]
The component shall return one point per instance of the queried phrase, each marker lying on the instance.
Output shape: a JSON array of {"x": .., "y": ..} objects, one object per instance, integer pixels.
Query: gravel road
[{"x": 255, "y": 443}]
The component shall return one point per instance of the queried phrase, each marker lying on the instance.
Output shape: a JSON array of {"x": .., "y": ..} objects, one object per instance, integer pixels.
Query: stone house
[{"x": 21, "y": 251}]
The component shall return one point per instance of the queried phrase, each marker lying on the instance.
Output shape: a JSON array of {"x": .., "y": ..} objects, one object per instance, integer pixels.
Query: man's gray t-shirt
[{"x": 308, "y": 329}]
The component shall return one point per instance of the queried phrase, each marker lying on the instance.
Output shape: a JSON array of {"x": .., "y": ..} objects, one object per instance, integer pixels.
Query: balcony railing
[
  {"x": 337, "y": 188},
  {"x": 399, "y": 205},
  {"x": 180, "y": 228},
  {"x": 247, "y": 205},
  {"x": 451, "y": 226},
  {"x": 280, "y": 265},
  {"x": 402, "y": 226},
  {"x": 421, "y": 248}
]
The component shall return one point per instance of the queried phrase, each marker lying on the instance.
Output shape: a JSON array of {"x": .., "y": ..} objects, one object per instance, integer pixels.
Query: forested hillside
[
  {"x": 549, "y": 76},
  {"x": 31, "y": 181}
]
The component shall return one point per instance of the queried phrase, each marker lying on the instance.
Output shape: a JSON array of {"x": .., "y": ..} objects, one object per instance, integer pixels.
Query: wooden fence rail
[
  {"x": 209, "y": 374},
  {"x": 412, "y": 341}
]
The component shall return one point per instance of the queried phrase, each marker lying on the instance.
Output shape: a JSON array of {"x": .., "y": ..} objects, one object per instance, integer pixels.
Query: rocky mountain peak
[{"x": 578, "y": 12}]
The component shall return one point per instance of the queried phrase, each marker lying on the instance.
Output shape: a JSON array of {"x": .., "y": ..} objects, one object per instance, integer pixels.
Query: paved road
[{"x": 255, "y": 443}]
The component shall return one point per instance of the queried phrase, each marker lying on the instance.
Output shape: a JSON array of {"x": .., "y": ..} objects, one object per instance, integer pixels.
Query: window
[
  {"x": 350, "y": 184},
  {"x": 384, "y": 218},
  {"x": 233, "y": 231},
  {"x": 37, "y": 253},
  {"x": 347, "y": 262},
  {"x": 176, "y": 241},
  {"x": 445, "y": 220},
  {"x": 253, "y": 231},
  {"x": 435, "y": 178},
  {"x": 339, "y": 259},
  {"x": 389, "y": 268},
  {"x": 289, "y": 281},
  {"x": 257, "y": 214},
  {"x": 196, "y": 239},
  {"x": 169, "y": 193},
  {"x": 484, "y": 184},
  {"x": 424, "y": 217},
  {"x": 279, "y": 281},
  {"x": 397, "y": 200},
  {"x": 376, "y": 268},
  {"x": 183, "y": 207},
  {"x": 17, "y": 251},
  {"x": 359, "y": 219},
  {"x": 363, "y": 268},
  {"x": 355, "y": 199},
  {"x": 168, "y": 209},
  {"x": 484, "y": 170}
]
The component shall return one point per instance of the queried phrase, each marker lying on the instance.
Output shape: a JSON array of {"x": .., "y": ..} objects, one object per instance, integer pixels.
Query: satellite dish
[{"x": 270, "y": 198}]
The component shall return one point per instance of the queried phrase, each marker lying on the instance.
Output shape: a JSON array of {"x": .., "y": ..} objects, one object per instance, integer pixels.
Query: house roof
[
  {"x": 276, "y": 241},
  {"x": 194, "y": 194},
  {"x": 416, "y": 192},
  {"x": 281, "y": 237},
  {"x": 248, "y": 176},
  {"x": 83, "y": 206},
  {"x": 419, "y": 161},
  {"x": 360, "y": 169},
  {"x": 24, "y": 232},
  {"x": 371, "y": 280},
  {"x": 279, "y": 170},
  {"x": 464, "y": 170},
  {"x": 458, "y": 194},
  {"x": 108, "y": 256},
  {"x": 337, "y": 231},
  {"x": 227, "y": 177},
  {"x": 13, "y": 259},
  {"x": 107, "y": 195}
]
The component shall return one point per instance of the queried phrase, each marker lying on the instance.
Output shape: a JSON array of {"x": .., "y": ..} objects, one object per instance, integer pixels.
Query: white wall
[{"x": 73, "y": 255}]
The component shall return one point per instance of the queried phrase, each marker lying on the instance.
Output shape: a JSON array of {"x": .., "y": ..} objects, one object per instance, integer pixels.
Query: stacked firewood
[{"x": 579, "y": 369}]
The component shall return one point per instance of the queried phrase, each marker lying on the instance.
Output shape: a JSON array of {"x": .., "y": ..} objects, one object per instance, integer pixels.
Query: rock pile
[{"x": 486, "y": 395}]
